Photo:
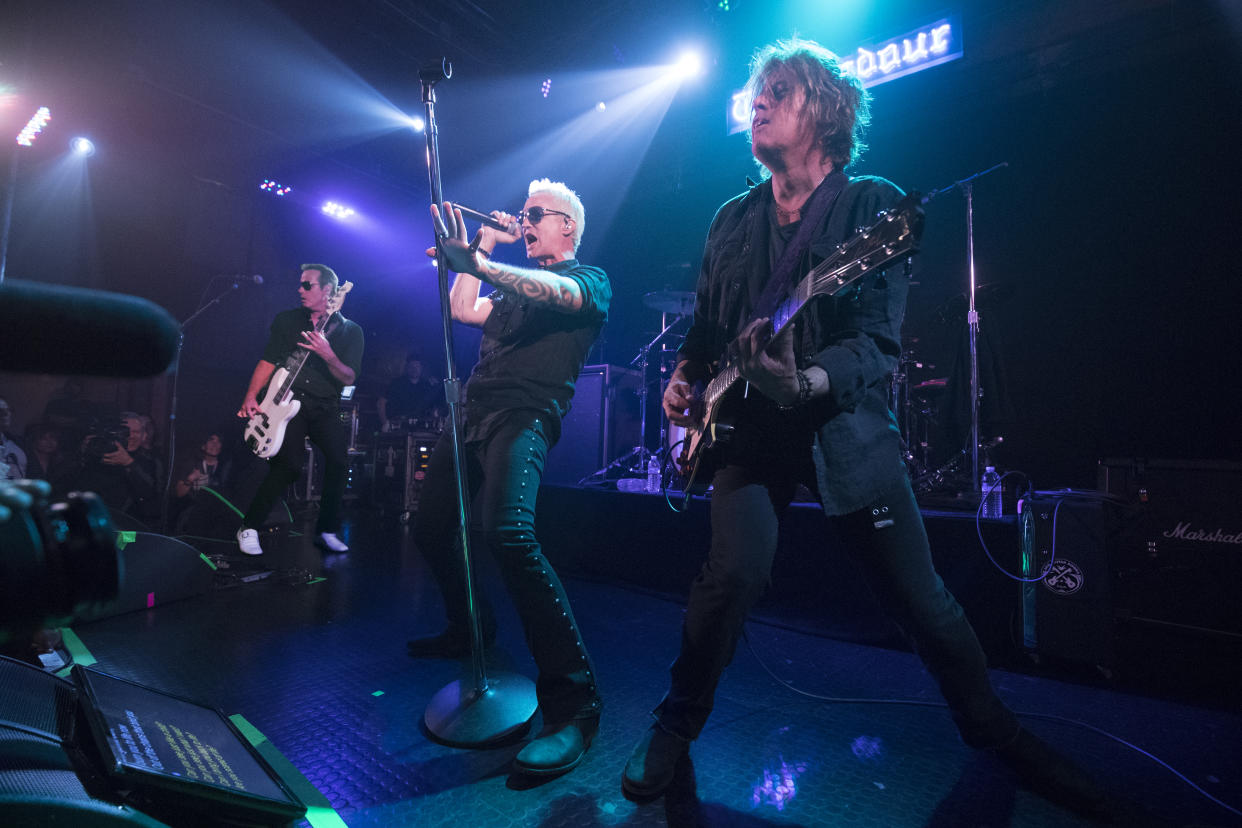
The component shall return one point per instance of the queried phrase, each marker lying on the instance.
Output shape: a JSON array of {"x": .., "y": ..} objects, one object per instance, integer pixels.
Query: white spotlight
[
  {"x": 416, "y": 124},
  {"x": 601, "y": 106},
  {"x": 689, "y": 64},
  {"x": 82, "y": 146}
]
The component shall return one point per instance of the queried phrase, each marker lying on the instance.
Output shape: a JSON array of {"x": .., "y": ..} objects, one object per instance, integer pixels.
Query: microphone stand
[
  {"x": 487, "y": 709},
  {"x": 172, "y": 406},
  {"x": 966, "y": 185}
]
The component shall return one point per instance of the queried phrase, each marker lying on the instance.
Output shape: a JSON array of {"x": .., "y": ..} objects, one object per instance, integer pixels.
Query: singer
[
  {"x": 334, "y": 362},
  {"x": 538, "y": 325}
]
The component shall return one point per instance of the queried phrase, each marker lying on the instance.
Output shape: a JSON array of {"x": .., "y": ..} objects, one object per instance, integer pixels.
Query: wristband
[{"x": 804, "y": 392}]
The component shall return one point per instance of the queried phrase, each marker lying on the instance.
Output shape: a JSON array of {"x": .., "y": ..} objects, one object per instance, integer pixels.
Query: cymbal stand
[
  {"x": 489, "y": 709},
  {"x": 634, "y": 461},
  {"x": 966, "y": 185}
]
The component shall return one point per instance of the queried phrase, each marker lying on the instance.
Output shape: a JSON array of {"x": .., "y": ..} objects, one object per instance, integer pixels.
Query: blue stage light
[
  {"x": 34, "y": 126},
  {"x": 601, "y": 106},
  {"x": 689, "y": 65},
  {"x": 337, "y": 211},
  {"x": 83, "y": 146},
  {"x": 547, "y": 87},
  {"x": 417, "y": 124}
]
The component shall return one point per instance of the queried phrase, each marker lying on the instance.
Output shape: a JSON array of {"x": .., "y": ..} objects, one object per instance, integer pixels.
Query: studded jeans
[
  {"x": 889, "y": 542},
  {"x": 503, "y": 475}
]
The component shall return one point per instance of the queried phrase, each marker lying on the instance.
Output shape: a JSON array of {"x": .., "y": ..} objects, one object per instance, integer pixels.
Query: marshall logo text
[{"x": 1182, "y": 531}]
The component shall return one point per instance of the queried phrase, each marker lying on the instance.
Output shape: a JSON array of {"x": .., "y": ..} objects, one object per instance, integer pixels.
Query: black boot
[
  {"x": 1054, "y": 777},
  {"x": 652, "y": 764},
  {"x": 558, "y": 748}
]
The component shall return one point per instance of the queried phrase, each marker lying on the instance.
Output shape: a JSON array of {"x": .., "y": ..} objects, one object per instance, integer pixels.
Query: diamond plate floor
[{"x": 313, "y": 655}]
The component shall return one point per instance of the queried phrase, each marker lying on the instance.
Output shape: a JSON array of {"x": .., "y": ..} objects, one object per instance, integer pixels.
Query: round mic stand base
[{"x": 460, "y": 715}]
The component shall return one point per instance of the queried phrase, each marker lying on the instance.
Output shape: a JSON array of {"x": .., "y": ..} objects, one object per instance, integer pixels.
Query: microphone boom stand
[
  {"x": 966, "y": 185},
  {"x": 487, "y": 709}
]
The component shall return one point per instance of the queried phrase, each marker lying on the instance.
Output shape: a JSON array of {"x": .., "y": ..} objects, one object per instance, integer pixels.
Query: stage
[{"x": 309, "y": 648}]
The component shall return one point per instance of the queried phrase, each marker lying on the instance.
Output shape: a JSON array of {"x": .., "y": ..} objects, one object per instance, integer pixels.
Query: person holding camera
[
  {"x": 12, "y": 456},
  {"x": 117, "y": 468}
]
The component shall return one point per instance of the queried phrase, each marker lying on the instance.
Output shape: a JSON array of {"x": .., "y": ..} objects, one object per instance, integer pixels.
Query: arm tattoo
[{"x": 536, "y": 286}]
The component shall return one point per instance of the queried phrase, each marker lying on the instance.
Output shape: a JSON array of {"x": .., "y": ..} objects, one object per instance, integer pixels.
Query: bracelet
[
  {"x": 483, "y": 253},
  {"x": 804, "y": 392}
]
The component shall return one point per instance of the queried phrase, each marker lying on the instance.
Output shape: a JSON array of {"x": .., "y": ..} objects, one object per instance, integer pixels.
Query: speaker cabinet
[
  {"x": 1179, "y": 561},
  {"x": 602, "y": 424},
  {"x": 155, "y": 569},
  {"x": 1068, "y": 613}
]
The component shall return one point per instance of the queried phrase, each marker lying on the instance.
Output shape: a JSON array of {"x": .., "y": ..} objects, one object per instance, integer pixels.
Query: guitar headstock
[
  {"x": 338, "y": 297},
  {"x": 896, "y": 233}
]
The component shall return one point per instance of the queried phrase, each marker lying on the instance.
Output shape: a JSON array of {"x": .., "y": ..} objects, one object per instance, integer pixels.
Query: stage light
[
  {"x": 601, "y": 106},
  {"x": 274, "y": 187},
  {"x": 337, "y": 211},
  {"x": 417, "y": 124},
  {"x": 83, "y": 146},
  {"x": 34, "y": 126},
  {"x": 547, "y": 87},
  {"x": 689, "y": 64}
]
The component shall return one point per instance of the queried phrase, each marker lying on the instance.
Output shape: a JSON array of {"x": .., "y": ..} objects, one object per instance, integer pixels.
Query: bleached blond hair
[{"x": 566, "y": 196}]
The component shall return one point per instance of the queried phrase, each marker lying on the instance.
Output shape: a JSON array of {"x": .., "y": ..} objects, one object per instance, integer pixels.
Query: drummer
[{"x": 411, "y": 399}]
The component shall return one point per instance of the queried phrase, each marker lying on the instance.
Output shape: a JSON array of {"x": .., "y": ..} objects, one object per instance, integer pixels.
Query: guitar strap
[{"x": 820, "y": 203}]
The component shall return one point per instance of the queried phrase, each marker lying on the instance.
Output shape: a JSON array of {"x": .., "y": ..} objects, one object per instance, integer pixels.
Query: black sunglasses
[
  {"x": 307, "y": 285},
  {"x": 536, "y": 214}
]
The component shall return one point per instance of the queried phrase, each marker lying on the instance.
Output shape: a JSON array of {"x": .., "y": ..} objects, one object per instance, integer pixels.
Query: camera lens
[{"x": 56, "y": 560}]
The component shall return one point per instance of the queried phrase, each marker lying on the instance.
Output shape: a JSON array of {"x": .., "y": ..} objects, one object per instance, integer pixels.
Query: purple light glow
[
  {"x": 777, "y": 787},
  {"x": 868, "y": 748}
]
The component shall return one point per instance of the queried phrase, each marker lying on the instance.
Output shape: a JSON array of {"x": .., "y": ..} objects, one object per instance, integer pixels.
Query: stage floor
[{"x": 313, "y": 655}]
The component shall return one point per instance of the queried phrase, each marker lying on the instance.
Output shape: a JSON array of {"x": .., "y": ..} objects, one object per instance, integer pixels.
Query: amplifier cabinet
[
  {"x": 602, "y": 424},
  {"x": 1068, "y": 613},
  {"x": 1179, "y": 561}
]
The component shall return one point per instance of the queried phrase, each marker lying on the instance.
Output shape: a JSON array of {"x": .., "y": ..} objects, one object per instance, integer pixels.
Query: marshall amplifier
[
  {"x": 1179, "y": 561},
  {"x": 1068, "y": 613}
]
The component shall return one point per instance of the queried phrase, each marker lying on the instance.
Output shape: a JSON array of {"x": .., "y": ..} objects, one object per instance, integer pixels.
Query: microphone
[
  {"x": 52, "y": 329},
  {"x": 486, "y": 219},
  {"x": 254, "y": 279}
]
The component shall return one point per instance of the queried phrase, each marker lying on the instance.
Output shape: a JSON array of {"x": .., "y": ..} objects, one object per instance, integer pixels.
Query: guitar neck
[
  {"x": 296, "y": 360},
  {"x": 781, "y": 319}
]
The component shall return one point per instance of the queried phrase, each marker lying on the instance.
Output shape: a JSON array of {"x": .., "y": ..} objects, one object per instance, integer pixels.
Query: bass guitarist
[
  {"x": 812, "y": 410},
  {"x": 333, "y": 362}
]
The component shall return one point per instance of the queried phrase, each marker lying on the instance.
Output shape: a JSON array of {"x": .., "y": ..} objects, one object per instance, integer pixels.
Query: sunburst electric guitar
[
  {"x": 894, "y": 235},
  {"x": 265, "y": 432}
]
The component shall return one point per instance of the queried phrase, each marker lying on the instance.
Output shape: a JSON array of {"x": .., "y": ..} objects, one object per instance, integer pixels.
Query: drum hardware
[{"x": 671, "y": 303}]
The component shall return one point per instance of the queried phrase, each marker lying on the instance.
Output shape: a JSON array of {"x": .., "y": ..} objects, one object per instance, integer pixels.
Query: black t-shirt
[
  {"x": 314, "y": 380},
  {"x": 530, "y": 355}
]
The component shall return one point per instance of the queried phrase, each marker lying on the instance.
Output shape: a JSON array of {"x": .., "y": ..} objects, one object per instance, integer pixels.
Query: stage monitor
[{"x": 180, "y": 754}]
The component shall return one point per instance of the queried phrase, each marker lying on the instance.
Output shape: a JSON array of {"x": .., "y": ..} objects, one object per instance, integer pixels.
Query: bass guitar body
[{"x": 265, "y": 432}]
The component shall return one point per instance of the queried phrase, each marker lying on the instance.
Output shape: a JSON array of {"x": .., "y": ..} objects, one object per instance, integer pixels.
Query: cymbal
[
  {"x": 931, "y": 386},
  {"x": 680, "y": 302}
]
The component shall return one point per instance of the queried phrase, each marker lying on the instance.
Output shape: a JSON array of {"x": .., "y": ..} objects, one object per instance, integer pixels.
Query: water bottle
[
  {"x": 991, "y": 493},
  {"x": 653, "y": 475}
]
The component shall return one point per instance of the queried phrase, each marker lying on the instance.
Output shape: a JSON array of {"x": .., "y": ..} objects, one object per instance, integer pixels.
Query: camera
[
  {"x": 56, "y": 560},
  {"x": 104, "y": 437}
]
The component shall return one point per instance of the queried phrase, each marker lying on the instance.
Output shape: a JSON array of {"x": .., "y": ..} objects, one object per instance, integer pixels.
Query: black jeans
[
  {"x": 889, "y": 542},
  {"x": 321, "y": 421},
  {"x": 503, "y": 474}
]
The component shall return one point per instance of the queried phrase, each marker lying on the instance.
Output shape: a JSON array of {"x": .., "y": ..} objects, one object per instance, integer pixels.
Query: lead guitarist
[
  {"x": 333, "y": 362},
  {"x": 815, "y": 412}
]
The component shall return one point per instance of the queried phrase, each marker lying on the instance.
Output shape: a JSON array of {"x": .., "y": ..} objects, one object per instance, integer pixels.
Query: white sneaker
[
  {"x": 248, "y": 540},
  {"x": 331, "y": 542}
]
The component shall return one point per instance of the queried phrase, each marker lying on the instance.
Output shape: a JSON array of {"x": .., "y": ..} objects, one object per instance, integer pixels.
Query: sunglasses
[
  {"x": 307, "y": 285},
  {"x": 536, "y": 214}
]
